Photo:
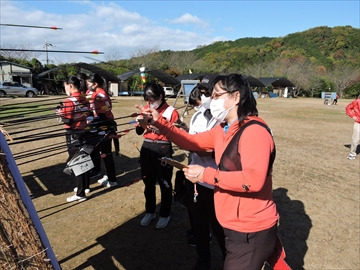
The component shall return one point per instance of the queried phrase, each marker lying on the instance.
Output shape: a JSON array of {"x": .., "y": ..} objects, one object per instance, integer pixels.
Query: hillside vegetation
[{"x": 315, "y": 60}]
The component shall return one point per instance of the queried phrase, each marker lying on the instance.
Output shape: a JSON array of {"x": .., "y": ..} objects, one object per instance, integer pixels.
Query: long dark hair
[
  {"x": 96, "y": 78},
  {"x": 74, "y": 81},
  {"x": 154, "y": 90},
  {"x": 82, "y": 77},
  {"x": 237, "y": 83}
]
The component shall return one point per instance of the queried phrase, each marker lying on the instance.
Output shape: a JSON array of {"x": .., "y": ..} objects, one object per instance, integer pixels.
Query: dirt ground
[{"x": 316, "y": 190}]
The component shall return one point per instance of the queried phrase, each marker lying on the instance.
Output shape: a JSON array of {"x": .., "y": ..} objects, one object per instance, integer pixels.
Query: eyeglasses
[{"x": 216, "y": 96}]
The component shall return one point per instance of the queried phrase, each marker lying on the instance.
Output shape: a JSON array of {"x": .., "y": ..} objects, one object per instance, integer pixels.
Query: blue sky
[{"x": 122, "y": 28}]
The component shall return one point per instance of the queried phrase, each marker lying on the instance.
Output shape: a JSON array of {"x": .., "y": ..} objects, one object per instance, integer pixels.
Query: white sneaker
[
  {"x": 162, "y": 222},
  {"x": 104, "y": 178},
  {"x": 87, "y": 190},
  {"x": 76, "y": 198},
  {"x": 147, "y": 219},
  {"x": 351, "y": 157}
]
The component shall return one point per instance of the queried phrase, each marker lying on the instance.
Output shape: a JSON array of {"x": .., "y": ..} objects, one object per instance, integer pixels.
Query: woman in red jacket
[
  {"x": 73, "y": 113},
  {"x": 100, "y": 106},
  {"x": 245, "y": 151}
]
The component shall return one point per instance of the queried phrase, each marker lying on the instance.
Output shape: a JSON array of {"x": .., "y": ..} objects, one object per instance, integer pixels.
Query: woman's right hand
[{"x": 151, "y": 114}]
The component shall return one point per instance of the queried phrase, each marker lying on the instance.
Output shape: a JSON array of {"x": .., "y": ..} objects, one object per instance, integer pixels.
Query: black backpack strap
[{"x": 231, "y": 160}]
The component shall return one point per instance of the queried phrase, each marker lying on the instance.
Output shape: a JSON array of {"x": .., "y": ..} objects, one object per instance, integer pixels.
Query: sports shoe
[
  {"x": 94, "y": 174},
  {"x": 76, "y": 198},
  {"x": 162, "y": 222},
  {"x": 108, "y": 183},
  {"x": 67, "y": 171},
  {"x": 189, "y": 233},
  {"x": 147, "y": 219},
  {"x": 87, "y": 190},
  {"x": 105, "y": 178},
  {"x": 191, "y": 241},
  {"x": 351, "y": 157}
]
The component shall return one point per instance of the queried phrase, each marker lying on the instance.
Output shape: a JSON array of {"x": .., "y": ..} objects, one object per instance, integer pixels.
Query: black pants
[
  {"x": 104, "y": 148},
  {"x": 152, "y": 171},
  {"x": 249, "y": 250},
  {"x": 74, "y": 143},
  {"x": 203, "y": 216}
]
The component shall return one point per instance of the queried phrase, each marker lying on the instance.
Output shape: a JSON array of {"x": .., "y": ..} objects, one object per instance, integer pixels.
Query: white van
[{"x": 169, "y": 91}]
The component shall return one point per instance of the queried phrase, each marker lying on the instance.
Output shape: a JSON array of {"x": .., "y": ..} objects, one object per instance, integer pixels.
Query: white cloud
[
  {"x": 97, "y": 27},
  {"x": 188, "y": 19}
]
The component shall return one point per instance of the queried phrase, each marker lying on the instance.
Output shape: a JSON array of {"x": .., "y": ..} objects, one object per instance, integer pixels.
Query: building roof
[{"x": 14, "y": 64}]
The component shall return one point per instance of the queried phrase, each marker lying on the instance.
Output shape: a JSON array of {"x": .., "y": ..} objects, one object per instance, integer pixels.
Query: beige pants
[{"x": 355, "y": 139}]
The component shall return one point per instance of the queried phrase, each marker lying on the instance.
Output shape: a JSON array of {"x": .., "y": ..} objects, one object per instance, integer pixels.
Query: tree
[
  {"x": 343, "y": 77},
  {"x": 23, "y": 55}
]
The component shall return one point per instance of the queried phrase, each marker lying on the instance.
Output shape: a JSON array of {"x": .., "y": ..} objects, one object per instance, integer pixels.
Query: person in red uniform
[
  {"x": 156, "y": 146},
  {"x": 245, "y": 151},
  {"x": 73, "y": 113},
  {"x": 353, "y": 111},
  {"x": 100, "y": 107}
]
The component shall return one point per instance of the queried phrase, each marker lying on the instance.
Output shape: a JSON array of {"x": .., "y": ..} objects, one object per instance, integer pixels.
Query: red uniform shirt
[
  {"x": 353, "y": 109},
  {"x": 101, "y": 104},
  {"x": 75, "y": 109}
]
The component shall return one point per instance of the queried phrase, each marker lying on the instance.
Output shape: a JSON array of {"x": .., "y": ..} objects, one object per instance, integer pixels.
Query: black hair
[
  {"x": 195, "y": 96},
  {"x": 74, "y": 81},
  {"x": 96, "y": 78},
  {"x": 82, "y": 77},
  {"x": 237, "y": 83},
  {"x": 153, "y": 91}
]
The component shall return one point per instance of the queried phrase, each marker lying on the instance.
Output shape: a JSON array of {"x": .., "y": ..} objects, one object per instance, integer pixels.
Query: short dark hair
[
  {"x": 195, "y": 96},
  {"x": 237, "y": 83},
  {"x": 153, "y": 90},
  {"x": 96, "y": 78},
  {"x": 74, "y": 81}
]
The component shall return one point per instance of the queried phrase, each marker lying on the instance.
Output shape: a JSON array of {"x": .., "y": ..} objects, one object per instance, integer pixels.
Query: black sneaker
[
  {"x": 67, "y": 171},
  {"x": 202, "y": 265},
  {"x": 189, "y": 233},
  {"x": 94, "y": 174},
  {"x": 191, "y": 241}
]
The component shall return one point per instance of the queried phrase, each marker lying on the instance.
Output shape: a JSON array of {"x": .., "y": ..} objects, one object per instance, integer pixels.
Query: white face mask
[
  {"x": 200, "y": 108},
  {"x": 154, "y": 105},
  {"x": 67, "y": 90},
  {"x": 217, "y": 109},
  {"x": 205, "y": 101}
]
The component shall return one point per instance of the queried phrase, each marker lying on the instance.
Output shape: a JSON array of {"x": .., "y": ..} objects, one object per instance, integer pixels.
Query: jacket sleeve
[
  {"x": 191, "y": 142},
  {"x": 350, "y": 109}
]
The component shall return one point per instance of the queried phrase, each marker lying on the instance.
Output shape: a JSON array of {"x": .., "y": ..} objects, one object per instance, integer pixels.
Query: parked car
[
  {"x": 169, "y": 91},
  {"x": 16, "y": 89}
]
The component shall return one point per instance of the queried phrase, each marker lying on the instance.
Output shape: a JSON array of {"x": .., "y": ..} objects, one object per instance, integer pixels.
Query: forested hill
[{"x": 322, "y": 45}]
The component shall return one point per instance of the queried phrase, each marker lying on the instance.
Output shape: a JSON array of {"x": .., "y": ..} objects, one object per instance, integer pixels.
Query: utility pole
[{"x": 46, "y": 45}]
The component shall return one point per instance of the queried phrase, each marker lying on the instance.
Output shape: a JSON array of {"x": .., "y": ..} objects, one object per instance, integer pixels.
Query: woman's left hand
[{"x": 194, "y": 173}]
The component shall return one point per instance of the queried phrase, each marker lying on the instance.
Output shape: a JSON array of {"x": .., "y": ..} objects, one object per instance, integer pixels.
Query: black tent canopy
[
  {"x": 161, "y": 75},
  {"x": 276, "y": 82},
  {"x": 94, "y": 69}
]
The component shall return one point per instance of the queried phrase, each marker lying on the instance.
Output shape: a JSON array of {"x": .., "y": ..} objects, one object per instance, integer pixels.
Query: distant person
[
  {"x": 245, "y": 152},
  {"x": 353, "y": 110},
  {"x": 73, "y": 113},
  {"x": 335, "y": 100},
  {"x": 155, "y": 147}
]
